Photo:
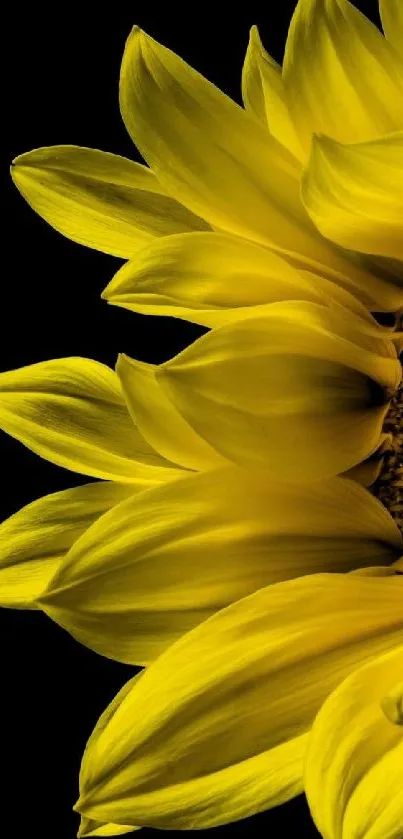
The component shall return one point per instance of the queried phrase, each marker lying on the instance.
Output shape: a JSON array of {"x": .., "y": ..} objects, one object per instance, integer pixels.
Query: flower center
[
  {"x": 389, "y": 485},
  {"x": 392, "y": 705}
]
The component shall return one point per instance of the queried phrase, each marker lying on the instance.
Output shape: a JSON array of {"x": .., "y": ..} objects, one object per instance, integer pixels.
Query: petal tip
[
  {"x": 135, "y": 35},
  {"x": 254, "y": 34},
  {"x": 80, "y": 803},
  {"x": 81, "y": 832},
  {"x": 121, "y": 360},
  {"x": 112, "y": 289}
]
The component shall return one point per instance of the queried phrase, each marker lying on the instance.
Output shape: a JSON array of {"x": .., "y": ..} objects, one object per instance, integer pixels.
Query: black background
[{"x": 60, "y": 86}]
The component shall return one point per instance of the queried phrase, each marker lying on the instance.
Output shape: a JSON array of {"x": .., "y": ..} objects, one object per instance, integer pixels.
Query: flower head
[{"x": 216, "y": 553}]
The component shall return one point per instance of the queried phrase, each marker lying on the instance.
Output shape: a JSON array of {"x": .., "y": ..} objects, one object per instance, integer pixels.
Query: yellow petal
[
  {"x": 354, "y": 196},
  {"x": 160, "y": 563},
  {"x": 211, "y": 155},
  {"x": 292, "y": 391},
  {"x": 264, "y": 95},
  {"x": 354, "y": 764},
  {"x": 214, "y": 279},
  {"x": 71, "y": 411},
  {"x": 391, "y": 12},
  {"x": 367, "y": 472},
  {"x": 221, "y": 163},
  {"x": 34, "y": 541},
  {"x": 340, "y": 74},
  {"x": 252, "y": 82},
  {"x": 215, "y": 728},
  {"x": 158, "y": 420},
  {"x": 99, "y": 199},
  {"x": 92, "y": 827}
]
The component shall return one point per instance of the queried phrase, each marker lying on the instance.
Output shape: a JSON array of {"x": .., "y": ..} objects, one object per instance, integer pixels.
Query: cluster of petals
[{"x": 229, "y": 545}]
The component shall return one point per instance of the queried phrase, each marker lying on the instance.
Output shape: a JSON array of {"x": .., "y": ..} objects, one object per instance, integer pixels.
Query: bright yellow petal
[
  {"x": 221, "y": 163},
  {"x": 340, "y": 74},
  {"x": 99, "y": 199},
  {"x": 211, "y": 155},
  {"x": 71, "y": 411},
  {"x": 252, "y": 82},
  {"x": 354, "y": 764},
  {"x": 214, "y": 279},
  {"x": 292, "y": 391},
  {"x": 354, "y": 196},
  {"x": 158, "y": 420},
  {"x": 215, "y": 728},
  {"x": 92, "y": 827},
  {"x": 264, "y": 95},
  {"x": 160, "y": 563},
  {"x": 34, "y": 541},
  {"x": 392, "y": 22}
]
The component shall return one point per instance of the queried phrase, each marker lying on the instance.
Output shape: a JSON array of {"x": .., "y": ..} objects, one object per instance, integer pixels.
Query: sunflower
[{"x": 279, "y": 226}]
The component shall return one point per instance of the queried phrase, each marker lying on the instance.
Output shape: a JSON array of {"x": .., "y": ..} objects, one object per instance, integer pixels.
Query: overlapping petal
[
  {"x": 354, "y": 196},
  {"x": 215, "y": 729},
  {"x": 214, "y": 279},
  {"x": 155, "y": 415},
  {"x": 341, "y": 77},
  {"x": 163, "y": 561},
  {"x": 300, "y": 391},
  {"x": 99, "y": 199},
  {"x": 218, "y": 160},
  {"x": 264, "y": 95},
  {"x": 198, "y": 141},
  {"x": 35, "y": 540},
  {"x": 354, "y": 764},
  {"x": 72, "y": 412}
]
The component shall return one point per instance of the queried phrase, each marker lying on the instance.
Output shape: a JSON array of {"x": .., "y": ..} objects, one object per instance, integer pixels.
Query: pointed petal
[
  {"x": 354, "y": 764},
  {"x": 354, "y": 196},
  {"x": 160, "y": 563},
  {"x": 214, "y": 279},
  {"x": 71, "y": 411},
  {"x": 264, "y": 95},
  {"x": 175, "y": 755},
  {"x": 99, "y": 199},
  {"x": 211, "y": 155},
  {"x": 301, "y": 373},
  {"x": 252, "y": 82},
  {"x": 367, "y": 472},
  {"x": 158, "y": 420},
  {"x": 88, "y": 826},
  {"x": 221, "y": 163},
  {"x": 392, "y": 22},
  {"x": 34, "y": 541},
  {"x": 341, "y": 76}
]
